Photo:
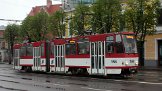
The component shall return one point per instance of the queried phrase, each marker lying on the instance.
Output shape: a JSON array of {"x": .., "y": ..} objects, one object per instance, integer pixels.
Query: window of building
[{"x": 160, "y": 18}]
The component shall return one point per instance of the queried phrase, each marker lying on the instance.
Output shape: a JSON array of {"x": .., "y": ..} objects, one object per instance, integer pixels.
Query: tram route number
[
  {"x": 131, "y": 61},
  {"x": 113, "y": 61}
]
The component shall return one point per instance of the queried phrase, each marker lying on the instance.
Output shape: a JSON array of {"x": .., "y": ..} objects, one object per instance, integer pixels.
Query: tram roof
[{"x": 17, "y": 46}]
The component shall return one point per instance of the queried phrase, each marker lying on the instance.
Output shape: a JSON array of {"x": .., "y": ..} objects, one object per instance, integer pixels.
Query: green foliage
[
  {"x": 141, "y": 17},
  {"x": 11, "y": 33},
  {"x": 56, "y": 24},
  {"x": 11, "y": 36},
  {"x": 81, "y": 20},
  {"x": 26, "y": 28},
  {"x": 106, "y": 16},
  {"x": 36, "y": 27}
]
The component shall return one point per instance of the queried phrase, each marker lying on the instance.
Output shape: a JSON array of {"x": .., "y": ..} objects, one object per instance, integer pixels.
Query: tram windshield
[
  {"x": 129, "y": 44},
  {"x": 26, "y": 50}
]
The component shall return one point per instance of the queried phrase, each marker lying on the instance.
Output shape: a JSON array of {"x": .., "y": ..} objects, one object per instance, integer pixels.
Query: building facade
[
  {"x": 71, "y": 4},
  {"x": 49, "y": 8},
  {"x": 153, "y": 46},
  {"x": 3, "y": 45},
  {"x": 153, "y": 49}
]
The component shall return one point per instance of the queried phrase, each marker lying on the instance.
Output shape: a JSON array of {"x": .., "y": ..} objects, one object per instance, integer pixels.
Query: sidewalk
[{"x": 150, "y": 68}]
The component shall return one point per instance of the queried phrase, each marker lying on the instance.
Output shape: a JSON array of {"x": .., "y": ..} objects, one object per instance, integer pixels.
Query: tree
[
  {"x": 106, "y": 16},
  {"x": 10, "y": 35},
  {"x": 35, "y": 27},
  {"x": 81, "y": 20},
  {"x": 141, "y": 18},
  {"x": 26, "y": 28},
  {"x": 56, "y": 24}
]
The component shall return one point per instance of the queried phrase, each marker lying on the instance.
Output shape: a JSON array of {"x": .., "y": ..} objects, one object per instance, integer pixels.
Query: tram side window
[
  {"x": 15, "y": 53},
  {"x": 83, "y": 48},
  {"x": 109, "y": 44},
  {"x": 119, "y": 45},
  {"x": 42, "y": 50},
  {"x": 70, "y": 49},
  {"x": 29, "y": 50},
  {"x": 23, "y": 51},
  {"x": 52, "y": 49}
]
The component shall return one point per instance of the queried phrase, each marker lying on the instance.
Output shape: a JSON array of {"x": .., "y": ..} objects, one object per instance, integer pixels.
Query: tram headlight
[
  {"x": 126, "y": 62},
  {"x": 136, "y": 63}
]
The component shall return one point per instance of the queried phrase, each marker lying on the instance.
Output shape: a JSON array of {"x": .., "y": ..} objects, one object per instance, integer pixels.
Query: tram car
[{"x": 100, "y": 54}]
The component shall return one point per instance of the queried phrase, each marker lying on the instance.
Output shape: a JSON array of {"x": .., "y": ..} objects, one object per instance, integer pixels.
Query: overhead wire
[{"x": 11, "y": 20}]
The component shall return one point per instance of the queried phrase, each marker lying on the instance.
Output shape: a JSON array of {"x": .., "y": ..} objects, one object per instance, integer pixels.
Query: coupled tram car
[{"x": 100, "y": 54}]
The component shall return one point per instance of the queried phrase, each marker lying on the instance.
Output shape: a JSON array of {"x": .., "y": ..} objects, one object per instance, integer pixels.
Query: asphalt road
[{"x": 11, "y": 80}]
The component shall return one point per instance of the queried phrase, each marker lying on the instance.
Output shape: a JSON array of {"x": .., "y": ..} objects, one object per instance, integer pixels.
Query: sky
[{"x": 19, "y": 9}]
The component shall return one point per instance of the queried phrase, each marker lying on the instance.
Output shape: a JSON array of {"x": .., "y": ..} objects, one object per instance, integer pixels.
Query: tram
[{"x": 100, "y": 54}]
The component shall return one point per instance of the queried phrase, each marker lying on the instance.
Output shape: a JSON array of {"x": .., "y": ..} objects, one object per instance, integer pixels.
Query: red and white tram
[{"x": 100, "y": 54}]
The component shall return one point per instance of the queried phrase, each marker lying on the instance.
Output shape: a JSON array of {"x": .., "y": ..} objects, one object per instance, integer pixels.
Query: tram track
[{"x": 30, "y": 83}]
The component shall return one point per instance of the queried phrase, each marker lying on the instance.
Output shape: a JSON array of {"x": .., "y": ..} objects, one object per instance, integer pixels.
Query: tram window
[
  {"x": 16, "y": 62},
  {"x": 29, "y": 50},
  {"x": 56, "y": 62},
  {"x": 129, "y": 44},
  {"x": 83, "y": 47},
  {"x": 118, "y": 38},
  {"x": 63, "y": 61},
  {"x": 99, "y": 62},
  {"x": 23, "y": 51},
  {"x": 109, "y": 44},
  {"x": 52, "y": 49},
  {"x": 15, "y": 53},
  {"x": 119, "y": 45},
  {"x": 70, "y": 49},
  {"x": 58, "y": 50},
  {"x": 92, "y": 62},
  {"x": 42, "y": 49}
]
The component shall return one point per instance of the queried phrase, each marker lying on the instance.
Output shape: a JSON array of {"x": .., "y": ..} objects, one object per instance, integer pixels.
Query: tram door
[
  {"x": 16, "y": 59},
  {"x": 36, "y": 58},
  {"x": 59, "y": 58},
  {"x": 97, "y": 57}
]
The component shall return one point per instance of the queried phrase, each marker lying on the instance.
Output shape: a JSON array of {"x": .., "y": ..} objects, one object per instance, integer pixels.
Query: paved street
[{"x": 11, "y": 80}]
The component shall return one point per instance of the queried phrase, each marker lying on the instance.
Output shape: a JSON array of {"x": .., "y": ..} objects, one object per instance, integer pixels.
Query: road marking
[
  {"x": 95, "y": 89},
  {"x": 62, "y": 85},
  {"x": 151, "y": 83}
]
